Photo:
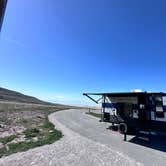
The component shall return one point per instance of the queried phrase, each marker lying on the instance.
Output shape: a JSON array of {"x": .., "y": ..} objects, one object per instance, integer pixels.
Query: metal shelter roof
[{"x": 2, "y": 11}]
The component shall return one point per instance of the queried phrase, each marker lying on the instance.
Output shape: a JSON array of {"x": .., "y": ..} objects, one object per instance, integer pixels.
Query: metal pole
[
  {"x": 125, "y": 136},
  {"x": 102, "y": 115}
]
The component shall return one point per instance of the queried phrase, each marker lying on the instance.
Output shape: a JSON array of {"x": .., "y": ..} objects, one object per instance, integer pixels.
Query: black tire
[{"x": 122, "y": 128}]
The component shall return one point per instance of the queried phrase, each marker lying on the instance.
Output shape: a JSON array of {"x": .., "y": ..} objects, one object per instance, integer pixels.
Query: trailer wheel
[{"x": 122, "y": 128}]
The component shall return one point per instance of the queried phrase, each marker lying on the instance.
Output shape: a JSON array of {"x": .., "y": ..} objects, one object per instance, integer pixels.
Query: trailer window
[
  {"x": 158, "y": 101},
  {"x": 159, "y": 107}
]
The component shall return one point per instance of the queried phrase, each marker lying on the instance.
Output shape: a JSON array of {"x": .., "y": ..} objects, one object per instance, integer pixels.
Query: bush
[
  {"x": 29, "y": 133},
  {"x": 48, "y": 125},
  {"x": 5, "y": 140},
  {"x": 44, "y": 137},
  {"x": 2, "y": 151}
]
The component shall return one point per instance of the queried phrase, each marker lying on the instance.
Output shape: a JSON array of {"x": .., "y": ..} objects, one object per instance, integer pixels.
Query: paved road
[{"x": 91, "y": 128}]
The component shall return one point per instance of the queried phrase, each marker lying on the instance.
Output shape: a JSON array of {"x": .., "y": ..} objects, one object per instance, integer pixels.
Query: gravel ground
[{"x": 72, "y": 150}]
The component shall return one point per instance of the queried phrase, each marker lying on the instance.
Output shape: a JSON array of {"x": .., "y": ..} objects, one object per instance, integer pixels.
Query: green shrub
[
  {"x": 44, "y": 137},
  {"x": 2, "y": 151},
  {"x": 29, "y": 133},
  {"x": 5, "y": 140},
  {"x": 48, "y": 125}
]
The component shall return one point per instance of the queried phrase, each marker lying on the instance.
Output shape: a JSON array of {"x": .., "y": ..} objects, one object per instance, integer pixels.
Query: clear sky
[{"x": 58, "y": 49}]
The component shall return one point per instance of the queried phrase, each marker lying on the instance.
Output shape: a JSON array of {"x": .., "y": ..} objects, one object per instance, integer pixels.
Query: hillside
[{"x": 13, "y": 96}]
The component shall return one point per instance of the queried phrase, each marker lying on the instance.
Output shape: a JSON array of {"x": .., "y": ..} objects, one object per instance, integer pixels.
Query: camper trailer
[{"x": 137, "y": 110}]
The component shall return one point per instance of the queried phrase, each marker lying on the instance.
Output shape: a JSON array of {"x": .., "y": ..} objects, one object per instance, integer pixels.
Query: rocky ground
[{"x": 22, "y": 123}]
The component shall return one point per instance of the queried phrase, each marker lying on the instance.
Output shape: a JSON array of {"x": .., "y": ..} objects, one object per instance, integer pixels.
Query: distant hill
[{"x": 13, "y": 96}]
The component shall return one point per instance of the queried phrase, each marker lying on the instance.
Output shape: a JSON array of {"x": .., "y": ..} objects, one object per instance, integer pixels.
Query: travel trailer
[{"x": 141, "y": 111}]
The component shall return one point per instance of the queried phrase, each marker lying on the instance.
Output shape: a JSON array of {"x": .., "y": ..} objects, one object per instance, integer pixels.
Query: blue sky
[{"x": 56, "y": 50}]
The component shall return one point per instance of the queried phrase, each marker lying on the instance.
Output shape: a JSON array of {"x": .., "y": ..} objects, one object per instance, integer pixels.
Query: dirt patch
[
  {"x": 15, "y": 122},
  {"x": 24, "y": 126}
]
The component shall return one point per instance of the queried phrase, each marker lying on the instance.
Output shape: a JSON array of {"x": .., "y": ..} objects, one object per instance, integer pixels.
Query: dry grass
[{"x": 27, "y": 125}]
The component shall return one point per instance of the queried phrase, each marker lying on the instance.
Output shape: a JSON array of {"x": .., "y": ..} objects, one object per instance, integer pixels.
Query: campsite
[{"x": 82, "y": 83}]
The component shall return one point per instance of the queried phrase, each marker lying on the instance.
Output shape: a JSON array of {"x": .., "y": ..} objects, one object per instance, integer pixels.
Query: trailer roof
[
  {"x": 121, "y": 94},
  {"x": 125, "y": 93}
]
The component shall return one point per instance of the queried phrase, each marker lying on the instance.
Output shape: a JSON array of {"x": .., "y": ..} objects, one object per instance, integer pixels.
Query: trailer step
[
  {"x": 144, "y": 135},
  {"x": 143, "y": 138},
  {"x": 115, "y": 119},
  {"x": 144, "y": 132}
]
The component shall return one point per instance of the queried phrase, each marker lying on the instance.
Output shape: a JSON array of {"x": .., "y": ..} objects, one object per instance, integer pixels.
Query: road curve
[{"x": 86, "y": 142}]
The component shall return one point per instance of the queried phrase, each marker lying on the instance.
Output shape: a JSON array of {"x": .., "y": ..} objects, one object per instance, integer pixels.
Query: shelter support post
[
  {"x": 103, "y": 109},
  {"x": 125, "y": 136}
]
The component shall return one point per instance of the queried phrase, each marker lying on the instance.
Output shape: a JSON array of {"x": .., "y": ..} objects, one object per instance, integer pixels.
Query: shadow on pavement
[{"x": 157, "y": 142}]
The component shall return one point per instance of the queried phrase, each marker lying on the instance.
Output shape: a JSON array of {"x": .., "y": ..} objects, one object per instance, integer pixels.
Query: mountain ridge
[{"x": 14, "y": 96}]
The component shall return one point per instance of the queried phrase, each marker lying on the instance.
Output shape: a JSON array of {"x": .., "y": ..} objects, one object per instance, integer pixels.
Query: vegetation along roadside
[{"x": 25, "y": 126}]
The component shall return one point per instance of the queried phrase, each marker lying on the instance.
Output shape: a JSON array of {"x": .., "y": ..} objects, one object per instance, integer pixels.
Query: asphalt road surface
[{"x": 88, "y": 142}]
